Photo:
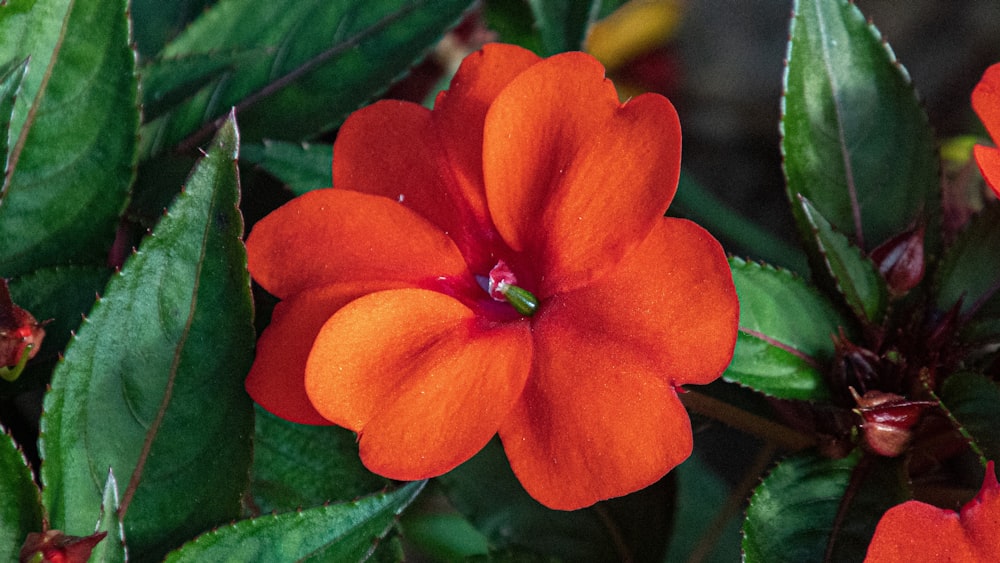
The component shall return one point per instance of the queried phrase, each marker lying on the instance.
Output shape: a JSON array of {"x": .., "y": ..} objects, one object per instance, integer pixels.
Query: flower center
[{"x": 502, "y": 286}]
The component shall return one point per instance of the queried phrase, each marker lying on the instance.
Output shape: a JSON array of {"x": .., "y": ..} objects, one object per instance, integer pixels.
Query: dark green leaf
[
  {"x": 785, "y": 338},
  {"x": 20, "y": 502},
  {"x": 853, "y": 274},
  {"x": 486, "y": 491},
  {"x": 296, "y": 466},
  {"x": 513, "y": 23},
  {"x": 155, "y": 22},
  {"x": 882, "y": 484},
  {"x": 340, "y": 532},
  {"x": 855, "y": 140},
  {"x": 295, "y": 68},
  {"x": 439, "y": 533},
  {"x": 11, "y": 75},
  {"x": 974, "y": 400},
  {"x": 969, "y": 272},
  {"x": 152, "y": 385},
  {"x": 72, "y": 158},
  {"x": 563, "y": 23},
  {"x": 300, "y": 166},
  {"x": 59, "y": 296},
  {"x": 792, "y": 512}
]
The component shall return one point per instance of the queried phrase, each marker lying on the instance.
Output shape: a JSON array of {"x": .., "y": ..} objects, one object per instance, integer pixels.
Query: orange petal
[
  {"x": 338, "y": 236},
  {"x": 419, "y": 376},
  {"x": 988, "y": 159},
  {"x": 986, "y": 101},
  {"x": 277, "y": 378},
  {"x": 572, "y": 177},
  {"x": 915, "y": 532},
  {"x": 600, "y": 417}
]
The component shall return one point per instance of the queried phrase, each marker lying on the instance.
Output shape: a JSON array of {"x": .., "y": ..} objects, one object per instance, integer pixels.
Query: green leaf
[
  {"x": 20, "y": 502},
  {"x": 300, "y": 166},
  {"x": 855, "y": 139},
  {"x": 441, "y": 535},
  {"x": 112, "y": 548},
  {"x": 11, "y": 75},
  {"x": 152, "y": 385},
  {"x": 340, "y": 532},
  {"x": 563, "y": 23},
  {"x": 974, "y": 401},
  {"x": 968, "y": 271},
  {"x": 485, "y": 490},
  {"x": 701, "y": 496},
  {"x": 295, "y": 68},
  {"x": 786, "y": 330},
  {"x": 75, "y": 125},
  {"x": 792, "y": 512},
  {"x": 155, "y": 22},
  {"x": 59, "y": 296},
  {"x": 882, "y": 482},
  {"x": 296, "y": 465},
  {"x": 853, "y": 274}
]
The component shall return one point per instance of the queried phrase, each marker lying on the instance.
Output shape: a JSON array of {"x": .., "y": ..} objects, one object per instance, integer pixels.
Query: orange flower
[
  {"x": 986, "y": 103},
  {"x": 500, "y": 264},
  {"x": 914, "y": 532}
]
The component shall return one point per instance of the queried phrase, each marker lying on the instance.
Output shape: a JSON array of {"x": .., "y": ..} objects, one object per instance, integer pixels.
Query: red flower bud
[
  {"x": 54, "y": 546},
  {"x": 901, "y": 260},
  {"x": 18, "y": 331},
  {"x": 887, "y": 420}
]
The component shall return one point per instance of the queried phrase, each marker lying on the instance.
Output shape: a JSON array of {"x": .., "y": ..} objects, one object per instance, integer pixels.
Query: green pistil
[{"x": 522, "y": 300}]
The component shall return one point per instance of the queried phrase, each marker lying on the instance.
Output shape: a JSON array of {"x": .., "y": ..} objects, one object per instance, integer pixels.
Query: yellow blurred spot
[
  {"x": 958, "y": 150},
  {"x": 634, "y": 28}
]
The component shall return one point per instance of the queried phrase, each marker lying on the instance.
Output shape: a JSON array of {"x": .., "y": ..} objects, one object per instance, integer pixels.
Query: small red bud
[
  {"x": 54, "y": 546},
  {"x": 18, "y": 331},
  {"x": 887, "y": 420},
  {"x": 901, "y": 260}
]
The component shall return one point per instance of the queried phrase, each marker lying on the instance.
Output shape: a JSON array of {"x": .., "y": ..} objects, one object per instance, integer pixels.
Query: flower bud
[
  {"x": 900, "y": 260},
  {"x": 54, "y": 546},
  {"x": 887, "y": 421},
  {"x": 20, "y": 335}
]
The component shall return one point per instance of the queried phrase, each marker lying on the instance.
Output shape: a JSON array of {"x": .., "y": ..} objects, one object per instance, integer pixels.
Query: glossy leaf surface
[
  {"x": 73, "y": 133},
  {"x": 791, "y": 513},
  {"x": 11, "y": 75},
  {"x": 339, "y": 532},
  {"x": 292, "y": 69},
  {"x": 786, "y": 330},
  {"x": 855, "y": 276},
  {"x": 111, "y": 549},
  {"x": 855, "y": 140},
  {"x": 152, "y": 385},
  {"x": 20, "y": 501}
]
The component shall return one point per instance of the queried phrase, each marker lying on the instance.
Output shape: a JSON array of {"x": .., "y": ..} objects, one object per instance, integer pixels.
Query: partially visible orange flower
[
  {"x": 986, "y": 103},
  {"x": 915, "y": 532},
  {"x": 500, "y": 264}
]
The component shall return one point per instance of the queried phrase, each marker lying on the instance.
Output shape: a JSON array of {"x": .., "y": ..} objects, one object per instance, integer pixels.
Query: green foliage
[
  {"x": 298, "y": 466},
  {"x": 856, "y": 142},
  {"x": 302, "y": 167},
  {"x": 11, "y": 75},
  {"x": 61, "y": 200},
  {"x": 20, "y": 502},
  {"x": 340, "y": 532},
  {"x": 969, "y": 273},
  {"x": 563, "y": 23},
  {"x": 152, "y": 385},
  {"x": 292, "y": 69},
  {"x": 112, "y": 548},
  {"x": 786, "y": 333},
  {"x": 853, "y": 274},
  {"x": 972, "y": 400}
]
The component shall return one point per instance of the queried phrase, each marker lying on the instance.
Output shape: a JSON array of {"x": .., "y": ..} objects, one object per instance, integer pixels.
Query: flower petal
[
  {"x": 988, "y": 159},
  {"x": 432, "y": 162},
  {"x": 573, "y": 178},
  {"x": 914, "y": 532},
  {"x": 422, "y": 380},
  {"x": 339, "y": 236},
  {"x": 277, "y": 378},
  {"x": 986, "y": 101},
  {"x": 600, "y": 417}
]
